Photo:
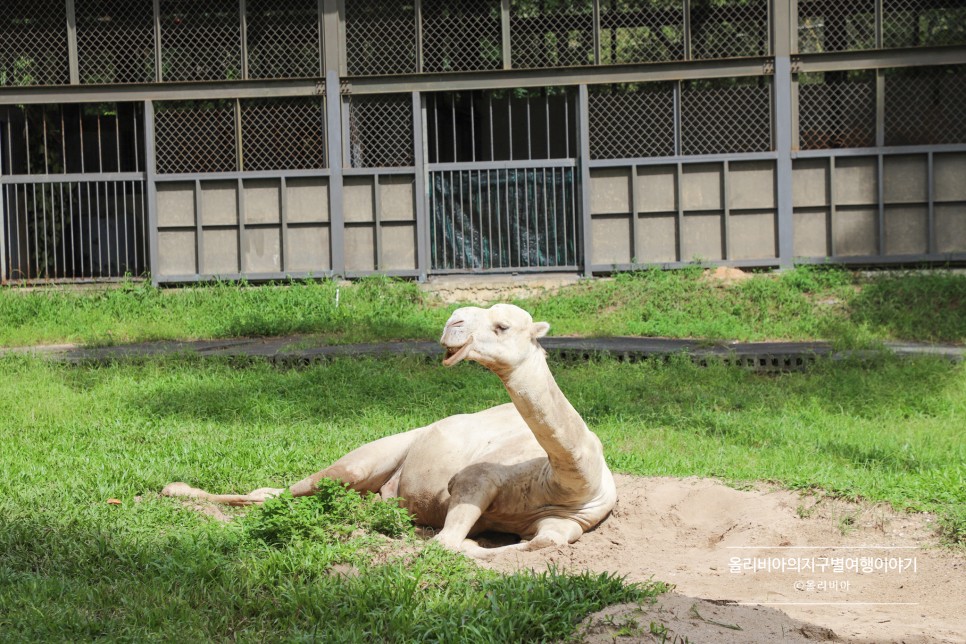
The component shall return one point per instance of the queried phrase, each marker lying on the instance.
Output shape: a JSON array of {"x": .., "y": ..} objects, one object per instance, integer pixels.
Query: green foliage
[
  {"x": 333, "y": 513},
  {"x": 952, "y": 525},
  {"x": 806, "y": 303}
]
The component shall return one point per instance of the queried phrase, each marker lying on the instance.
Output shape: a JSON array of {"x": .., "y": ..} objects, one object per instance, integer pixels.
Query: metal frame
[{"x": 782, "y": 63}]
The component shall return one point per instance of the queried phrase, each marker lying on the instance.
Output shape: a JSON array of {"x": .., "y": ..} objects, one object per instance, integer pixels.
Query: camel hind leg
[{"x": 373, "y": 467}]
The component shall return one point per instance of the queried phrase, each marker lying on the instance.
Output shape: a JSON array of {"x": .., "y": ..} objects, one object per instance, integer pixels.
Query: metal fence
[
  {"x": 263, "y": 139},
  {"x": 73, "y": 193}
]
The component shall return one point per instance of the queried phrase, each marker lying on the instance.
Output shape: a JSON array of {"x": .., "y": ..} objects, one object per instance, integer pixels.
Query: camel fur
[{"x": 530, "y": 467}]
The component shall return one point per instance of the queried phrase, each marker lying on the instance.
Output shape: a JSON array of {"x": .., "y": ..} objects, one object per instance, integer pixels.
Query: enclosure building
[{"x": 262, "y": 139}]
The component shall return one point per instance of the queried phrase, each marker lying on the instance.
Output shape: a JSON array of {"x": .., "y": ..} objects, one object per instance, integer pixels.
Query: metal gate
[
  {"x": 504, "y": 219},
  {"x": 502, "y": 181}
]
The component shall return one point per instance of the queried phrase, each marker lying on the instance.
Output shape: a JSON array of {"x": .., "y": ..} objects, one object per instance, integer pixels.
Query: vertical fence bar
[
  {"x": 377, "y": 221},
  {"x": 596, "y": 28},
  {"x": 150, "y": 177},
  {"x": 880, "y": 198},
  {"x": 159, "y": 76},
  {"x": 831, "y": 206},
  {"x": 931, "y": 196},
  {"x": 243, "y": 36},
  {"x": 418, "y": 16},
  {"x": 687, "y": 29},
  {"x": 505, "y": 33},
  {"x": 4, "y": 201},
  {"x": 783, "y": 125},
  {"x": 199, "y": 230},
  {"x": 678, "y": 199},
  {"x": 334, "y": 133},
  {"x": 421, "y": 196},
  {"x": 72, "y": 43},
  {"x": 726, "y": 209},
  {"x": 283, "y": 216},
  {"x": 635, "y": 217},
  {"x": 583, "y": 159}
]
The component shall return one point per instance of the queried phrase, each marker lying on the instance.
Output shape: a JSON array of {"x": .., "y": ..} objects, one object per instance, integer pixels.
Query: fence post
[
  {"x": 583, "y": 158},
  {"x": 332, "y": 19},
  {"x": 152, "y": 190},
  {"x": 505, "y": 33},
  {"x": 782, "y": 27},
  {"x": 421, "y": 195},
  {"x": 72, "y": 43},
  {"x": 3, "y": 221}
]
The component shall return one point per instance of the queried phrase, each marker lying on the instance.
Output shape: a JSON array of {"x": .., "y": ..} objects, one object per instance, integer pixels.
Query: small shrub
[{"x": 332, "y": 514}]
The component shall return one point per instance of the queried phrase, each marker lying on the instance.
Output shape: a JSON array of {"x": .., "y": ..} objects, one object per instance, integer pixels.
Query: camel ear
[{"x": 539, "y": 329}]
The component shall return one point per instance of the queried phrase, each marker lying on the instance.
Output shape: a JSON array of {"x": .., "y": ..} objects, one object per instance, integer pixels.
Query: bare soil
[{"x": 767, "y": 565}]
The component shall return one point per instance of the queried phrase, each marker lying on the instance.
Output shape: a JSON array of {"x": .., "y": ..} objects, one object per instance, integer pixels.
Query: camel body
[{"x": 530, "y": 467}]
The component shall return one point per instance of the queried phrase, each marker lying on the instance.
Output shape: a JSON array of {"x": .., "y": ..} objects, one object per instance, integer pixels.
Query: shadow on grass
[{"x": 928, "y": 307}]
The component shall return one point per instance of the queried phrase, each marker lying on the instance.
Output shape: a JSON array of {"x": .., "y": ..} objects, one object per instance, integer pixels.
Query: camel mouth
[{"x": 455, "y": 354}]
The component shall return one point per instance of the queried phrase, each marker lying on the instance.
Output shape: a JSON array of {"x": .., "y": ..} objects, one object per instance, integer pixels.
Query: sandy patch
[{"x": 780, "y": 565}]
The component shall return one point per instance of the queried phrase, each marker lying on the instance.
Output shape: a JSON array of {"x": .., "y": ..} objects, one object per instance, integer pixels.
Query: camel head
[{"x": 499, "y": 338}]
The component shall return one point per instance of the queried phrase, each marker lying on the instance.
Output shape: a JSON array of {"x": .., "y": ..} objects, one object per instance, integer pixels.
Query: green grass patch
[
  {"x": 806, "y": 303},
  {"x": 74, "y": 567}
]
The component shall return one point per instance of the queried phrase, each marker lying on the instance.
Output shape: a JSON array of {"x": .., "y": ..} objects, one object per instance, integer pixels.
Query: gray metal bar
[
  {"x": 199, "y": 230},
  {"x": 421, "y": 196},
  {"x": 875, "y": 260},
  {"x": 737, "y": 263},
  {"x": 239, "y": 138},
  {"x": 883, "y": 58},
  {"x": 671, "y": 160},
  {"x": 158, "y": 74},
  {"x": 4, "y": 200},
  {"x": 418, "y": 11},
  {"x": 346, "y": 126},
  {"x": 377, "y": 221},
  {"x": 676, "y": 97},
  {"x": 173, "y": 91},
  {"x": 880, "y": 198},
  {"x": 404, "y": 83},
  {"x": 500, "y": 165},
  {"x": 635, "y": 215},
  {"x": 339, "y": 34},
  {"x": 76, "y": 176},
  {"x": 283, "y": 216},
  {"x": 596, "y": 31},
  {"x": 687, "y": 30},
  {"x": 679, "y": 205},
  {"x": 865, "y": 152},
  {"x": 832, "y": 205},
  {"x": 931, "y": 183},
  {"x": 152, "y": 190},
  {"x": 72, "y": 43},
  {"x": 783, "y": 126},
  {"x": 224, "y": 176},
  {"x": 726, "y": 209},
  {"x": 363, "y": 172},
  {"x": 583, "y": 156},
  {"x": 334, "y": 137},
  {"x": 879, "y": 108},
  {"x": 505, "y": 33},
  {"x": 243, "y": 36}
]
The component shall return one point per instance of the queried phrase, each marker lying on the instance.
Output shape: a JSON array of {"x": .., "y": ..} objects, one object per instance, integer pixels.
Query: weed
[
  {"x": 952, "y": 525},
  {"x": 333, "y": 513}
]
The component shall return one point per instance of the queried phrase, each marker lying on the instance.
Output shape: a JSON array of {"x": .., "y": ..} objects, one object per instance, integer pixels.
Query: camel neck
[{"x": 554, "y": 422}]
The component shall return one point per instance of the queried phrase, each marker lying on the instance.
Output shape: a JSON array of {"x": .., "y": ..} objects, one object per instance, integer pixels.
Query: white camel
[{"x": 530, "y": 467}]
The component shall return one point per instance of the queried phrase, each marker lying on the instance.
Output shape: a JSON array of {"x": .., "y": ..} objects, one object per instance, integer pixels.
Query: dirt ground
[{"x": 768, "y": 566}]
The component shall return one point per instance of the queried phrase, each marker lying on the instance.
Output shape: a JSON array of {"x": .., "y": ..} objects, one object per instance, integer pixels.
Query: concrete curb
[{"x": 760, "y": 356}]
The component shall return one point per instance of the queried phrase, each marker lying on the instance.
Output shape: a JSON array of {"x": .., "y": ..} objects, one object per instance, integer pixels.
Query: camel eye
[{"x": 501, "y": 328}]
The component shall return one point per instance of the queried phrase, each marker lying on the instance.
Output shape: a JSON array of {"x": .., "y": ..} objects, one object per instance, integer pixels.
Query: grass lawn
[
  {"x": 807, "y": 303},
  {"x": 73, "y": 566}
]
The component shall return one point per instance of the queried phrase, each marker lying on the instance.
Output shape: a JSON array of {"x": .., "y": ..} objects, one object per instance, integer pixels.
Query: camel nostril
[{"x": 453, "y": 323}]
